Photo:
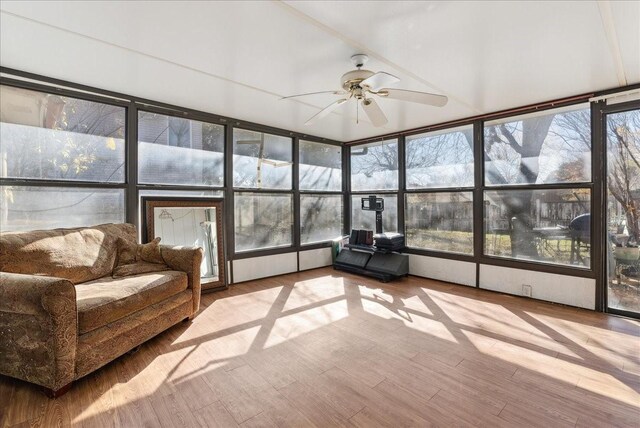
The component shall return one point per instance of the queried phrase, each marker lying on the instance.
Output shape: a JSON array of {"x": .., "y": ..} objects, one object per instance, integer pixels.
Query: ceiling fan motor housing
[{"x": 352, "y": 79}]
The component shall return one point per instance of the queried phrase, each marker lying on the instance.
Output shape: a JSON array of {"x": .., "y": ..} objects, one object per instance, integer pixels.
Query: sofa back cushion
[{"x": 79, "y": 255}]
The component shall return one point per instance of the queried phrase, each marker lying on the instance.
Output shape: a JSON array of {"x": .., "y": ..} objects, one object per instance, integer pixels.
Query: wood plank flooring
[{"x": 324, "y": 348}]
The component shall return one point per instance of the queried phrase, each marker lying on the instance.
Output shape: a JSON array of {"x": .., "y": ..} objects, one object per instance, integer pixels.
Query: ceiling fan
[{"x": 362, "y": 84}]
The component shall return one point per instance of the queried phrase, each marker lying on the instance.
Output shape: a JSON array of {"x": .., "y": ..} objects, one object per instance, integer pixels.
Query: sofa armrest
[
  {"x": 186, "y": 259},
  {"x": 38, "y": 329}
]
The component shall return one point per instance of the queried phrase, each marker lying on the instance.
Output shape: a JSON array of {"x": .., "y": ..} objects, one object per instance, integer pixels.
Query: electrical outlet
[{"x": 526, "y": 290}]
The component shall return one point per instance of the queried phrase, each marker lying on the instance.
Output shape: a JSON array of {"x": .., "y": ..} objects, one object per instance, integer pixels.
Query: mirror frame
[{"x": 150, "y": 203}]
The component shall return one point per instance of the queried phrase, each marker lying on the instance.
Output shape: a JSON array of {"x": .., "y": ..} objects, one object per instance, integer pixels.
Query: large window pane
[
  {"x": 320, "y": 218},
  {"x": 546, "y": 147},
  {"x": 367, "y": 219},
  {"x": 623, "y": 210},
  {"x": 174, "y": 150},
  {"x": 440, "y": 221},
  {"x": 31, "y": 208},
  {"x": 261, "y": 161},
  {"x": 47, "y": 136},
  {"x": 440, "y": 159},
  {"x": 550, "y": 226},
  {"x": 263, "y": 220},
  {"x": 374, "y": 166},
  {"x": 320, "y": 166}
]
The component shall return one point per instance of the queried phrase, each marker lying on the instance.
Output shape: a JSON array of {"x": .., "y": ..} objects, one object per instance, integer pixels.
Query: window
[
  {"x": 623, "y": 210},
  {"x": 550, "y": 225},
  {"x": 536, "y": 222},
  {"x": 320, "y": 166},
  {"x": 374, "y": 166},
  {"x": 367, "y": 219},
  {"x": 320, "y": 218},
  {"x": 178, "y": 151},
  {"x": 261, "y": 161},
  {"x": 263, "y": 220},
  {"x": 440, "y": 159},
  {"x": 47, "y": 136},
  {"x": 541, "y": 148},
  {"x": 33, "y": 208},
  {"x": 440, "y": 221}
]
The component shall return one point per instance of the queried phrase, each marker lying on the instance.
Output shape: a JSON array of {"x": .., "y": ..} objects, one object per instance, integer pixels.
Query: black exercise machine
[{"x": 379, "y": 260}]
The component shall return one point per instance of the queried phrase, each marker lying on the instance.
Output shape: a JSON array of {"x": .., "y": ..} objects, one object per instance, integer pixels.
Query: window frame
[
  {"x": 401, "y": 164},
  {"x": 240, "y": 254},
  {"x": 137, "y": 108},
  {"x": 295, "y": 246},
  {"x": 75, "y": 184},
  {"x": 299, "y": 193},
  {"x": 452, "y": 189},
  {"x": 601, "y": 110},
  {"x": 467, "y": 190},
  {"x": 326, "y": 242},
  {"x": 479, "y": 257},
  {"x": 522, "y": 117},
  {"x": 598, "y": 106},
  {"x": 257, "y": 189},
  {"x": 131, "y": 185},
  {"x": 434, "y": 189}
]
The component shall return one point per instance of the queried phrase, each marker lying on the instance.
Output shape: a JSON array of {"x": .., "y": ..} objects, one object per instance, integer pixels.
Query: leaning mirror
[{"x": 190, "y": 222}]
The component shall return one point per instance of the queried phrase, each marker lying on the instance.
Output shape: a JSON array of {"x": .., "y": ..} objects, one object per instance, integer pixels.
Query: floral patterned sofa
[{"x": 65, "y": 313}]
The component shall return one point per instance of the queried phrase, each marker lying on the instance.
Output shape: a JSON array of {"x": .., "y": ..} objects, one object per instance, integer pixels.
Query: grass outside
[
  {"x": 441, "y": 240},
  {"x": 549, "y": 250}
]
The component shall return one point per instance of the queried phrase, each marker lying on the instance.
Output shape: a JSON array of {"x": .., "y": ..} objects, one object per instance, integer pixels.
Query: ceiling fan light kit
[{"x": 361, "y": 84}]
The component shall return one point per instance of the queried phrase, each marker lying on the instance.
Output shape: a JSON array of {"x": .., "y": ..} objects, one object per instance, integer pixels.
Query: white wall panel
[
  {"x": 455, "y": 271},
  {"x": 312, "y": 259},
  {"x": 569, "y": 290},
  {"x": 261, "y": 267}
]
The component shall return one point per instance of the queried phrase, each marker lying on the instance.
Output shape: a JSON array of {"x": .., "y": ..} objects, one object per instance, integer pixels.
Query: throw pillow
[
  {"x": 150, "y": 252},
  {"x": 134, "y": 258},
  {"x": 127, "y": 251}
]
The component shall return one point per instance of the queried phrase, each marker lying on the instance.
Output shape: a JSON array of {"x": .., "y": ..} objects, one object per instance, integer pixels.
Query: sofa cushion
[
  {"x": 137, "y": 268},
  {"x": 105, "y": 300},
  {"x": 78, "y": 255}
]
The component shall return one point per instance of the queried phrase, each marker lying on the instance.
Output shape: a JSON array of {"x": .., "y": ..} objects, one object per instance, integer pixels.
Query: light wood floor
[{"x": 323, "y": 348}]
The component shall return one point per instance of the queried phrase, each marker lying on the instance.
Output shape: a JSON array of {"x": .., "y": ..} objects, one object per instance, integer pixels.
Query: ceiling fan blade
[
  {"x": 325, "y": 111},
  {"x": 414, "y": 96},
  {"x": 379, "y": 80},
  {"x": 374, "y": 112},
  {"x": 315, "y": 93}
]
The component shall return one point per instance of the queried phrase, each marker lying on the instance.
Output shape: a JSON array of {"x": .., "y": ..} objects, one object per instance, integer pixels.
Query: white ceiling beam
[{"x": 612, "y": 38}]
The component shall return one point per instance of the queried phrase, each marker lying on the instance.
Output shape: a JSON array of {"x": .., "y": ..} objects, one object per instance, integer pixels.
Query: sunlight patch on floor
[
  {"x": 294, "y": 325},
  {"x": 585, "y": 378},
  {"x": 313, "y": 291},
  {"x": 431, "y": 327}
]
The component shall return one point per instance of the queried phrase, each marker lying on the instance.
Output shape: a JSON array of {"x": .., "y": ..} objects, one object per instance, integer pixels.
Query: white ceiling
[{"x": 238, "y": 58}]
